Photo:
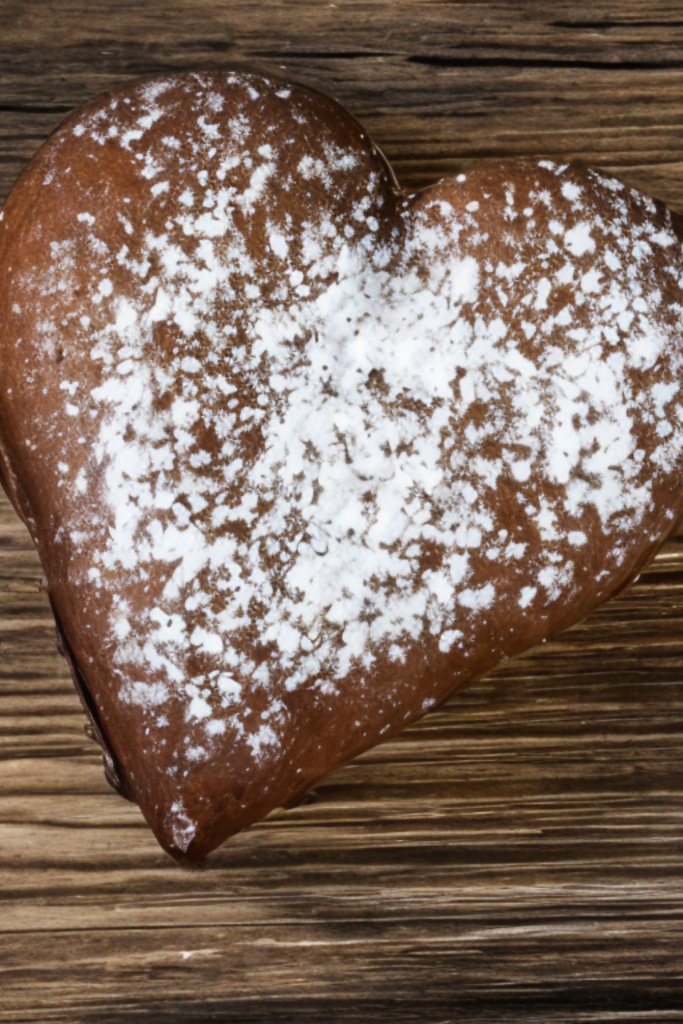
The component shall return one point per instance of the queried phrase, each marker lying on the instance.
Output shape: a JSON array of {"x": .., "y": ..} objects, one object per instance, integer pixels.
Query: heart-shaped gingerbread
[{"x": 301, "y": 453}]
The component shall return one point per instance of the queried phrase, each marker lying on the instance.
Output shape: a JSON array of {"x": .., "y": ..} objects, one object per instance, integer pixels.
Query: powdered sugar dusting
[{"x": 318, "y": 442}]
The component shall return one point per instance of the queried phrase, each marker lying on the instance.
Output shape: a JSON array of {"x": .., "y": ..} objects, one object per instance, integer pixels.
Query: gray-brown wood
[{"x": 518, "y": 855}]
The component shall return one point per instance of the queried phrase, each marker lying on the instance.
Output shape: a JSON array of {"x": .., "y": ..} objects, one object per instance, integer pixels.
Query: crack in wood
[
  {"x": 616, "y": 24},
  {"x": 556, "y": 63}
]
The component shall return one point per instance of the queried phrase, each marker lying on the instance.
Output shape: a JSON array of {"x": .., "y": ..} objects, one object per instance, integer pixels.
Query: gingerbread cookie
[{"x": 301, "y": 453}]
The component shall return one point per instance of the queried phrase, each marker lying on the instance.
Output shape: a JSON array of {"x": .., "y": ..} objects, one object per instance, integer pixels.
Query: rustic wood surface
[{"x": 518, "y": 856}]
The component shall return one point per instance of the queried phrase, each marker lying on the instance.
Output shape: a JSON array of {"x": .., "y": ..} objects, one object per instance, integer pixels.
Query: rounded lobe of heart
[{"x": 301, "y": 454}]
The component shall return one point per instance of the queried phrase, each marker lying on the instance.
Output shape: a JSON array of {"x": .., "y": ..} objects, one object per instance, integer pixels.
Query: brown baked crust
[{"x": 301, "y": 454}]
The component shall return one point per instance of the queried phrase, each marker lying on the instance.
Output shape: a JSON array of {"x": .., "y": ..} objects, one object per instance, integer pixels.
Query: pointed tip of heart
[
  {"x": 190, "y": 836},
  {"x": 193, "y": 814},
  {"x": 181, "y": 837}
]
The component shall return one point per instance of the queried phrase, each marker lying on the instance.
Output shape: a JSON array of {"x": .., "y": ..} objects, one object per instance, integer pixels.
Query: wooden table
[{"x": 518, "y": 856}]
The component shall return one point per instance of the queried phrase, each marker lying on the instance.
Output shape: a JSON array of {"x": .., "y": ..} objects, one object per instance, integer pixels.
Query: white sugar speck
[{"x": 579, "y": 240}]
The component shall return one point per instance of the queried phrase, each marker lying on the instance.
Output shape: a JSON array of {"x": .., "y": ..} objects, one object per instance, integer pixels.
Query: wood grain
[{"x": 517, "y": 857}]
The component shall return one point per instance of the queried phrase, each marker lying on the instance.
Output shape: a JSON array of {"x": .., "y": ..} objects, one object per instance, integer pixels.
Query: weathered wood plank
[{"x": 437, "y": 84}]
